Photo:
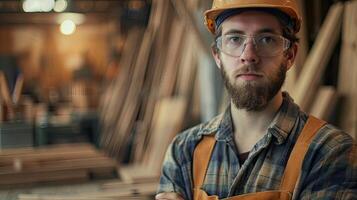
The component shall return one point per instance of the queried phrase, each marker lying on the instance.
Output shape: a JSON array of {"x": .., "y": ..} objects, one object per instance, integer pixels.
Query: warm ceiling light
[
  {"x": 68, "y": 27},
  {"x": 31, "y": 5},
  {"x": 47, "y": 5},
  {"x": 38, "y": 5},
  {"x": 60, "y": 5}
]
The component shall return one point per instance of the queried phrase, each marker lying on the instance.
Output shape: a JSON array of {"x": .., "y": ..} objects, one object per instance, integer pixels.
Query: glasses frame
[{"x": 286, "y": 44}]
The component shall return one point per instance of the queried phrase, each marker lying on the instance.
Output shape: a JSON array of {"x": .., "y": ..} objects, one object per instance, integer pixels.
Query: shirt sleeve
[
  {"x": 172, "y": 178},
  {"x": 333, "y": 172}
]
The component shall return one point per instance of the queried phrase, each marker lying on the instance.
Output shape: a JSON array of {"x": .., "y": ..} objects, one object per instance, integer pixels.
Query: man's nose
[{"x": 249, "y": 54}]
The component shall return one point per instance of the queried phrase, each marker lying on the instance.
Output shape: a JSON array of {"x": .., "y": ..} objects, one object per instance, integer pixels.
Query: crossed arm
[{"x": 168, "y": 196}]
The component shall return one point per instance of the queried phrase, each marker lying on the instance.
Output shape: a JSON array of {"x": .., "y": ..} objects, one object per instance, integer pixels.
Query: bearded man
[{"x": 263, "y": 146}]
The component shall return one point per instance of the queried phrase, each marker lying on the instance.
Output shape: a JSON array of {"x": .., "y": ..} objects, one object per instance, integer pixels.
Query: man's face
[{"x": 251, "y": 79}]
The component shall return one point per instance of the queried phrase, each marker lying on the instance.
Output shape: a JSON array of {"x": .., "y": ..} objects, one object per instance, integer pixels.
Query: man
[{"x": 263, "y": 146}]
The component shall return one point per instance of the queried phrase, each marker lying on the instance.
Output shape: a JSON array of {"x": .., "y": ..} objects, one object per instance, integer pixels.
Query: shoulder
[
  {"x": 195, "y": 133},
  {"x": 187, "y": 140},
  {"x": 330, "y": 137},
  {"x": 330, "y": 146}
]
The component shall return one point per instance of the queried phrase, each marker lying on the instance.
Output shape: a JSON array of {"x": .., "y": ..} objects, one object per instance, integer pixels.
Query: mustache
[{"x": 250, "y": 68}]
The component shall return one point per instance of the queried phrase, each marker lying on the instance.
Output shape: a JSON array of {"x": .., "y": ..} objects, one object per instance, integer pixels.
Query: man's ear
[
  {"x": 291, "y": 55},
  {"x": 215, "y": 53}
]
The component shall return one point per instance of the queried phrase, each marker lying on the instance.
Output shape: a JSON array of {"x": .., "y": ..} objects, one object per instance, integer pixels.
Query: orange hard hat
[{"x": 288, "y": 7}]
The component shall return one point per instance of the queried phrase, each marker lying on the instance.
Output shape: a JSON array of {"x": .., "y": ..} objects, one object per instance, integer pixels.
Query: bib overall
[{"x": 203, "y": 151}]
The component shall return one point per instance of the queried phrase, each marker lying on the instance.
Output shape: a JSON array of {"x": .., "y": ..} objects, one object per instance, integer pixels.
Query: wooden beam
[
  {"x": 114, "y": 97},
  {"x": 167, "y": 122},
  {"x": 303, "y": 41},
  {"x": 185, "y": 13},
  {"x": 5, "y": 94},
  {"x": 324, "y": 103},
  {"x": 347, "y": 80},
  {"x": 318, "y": 58},
  {"x": 294, "y": 72},
  {"x": 18, "y": 89}
]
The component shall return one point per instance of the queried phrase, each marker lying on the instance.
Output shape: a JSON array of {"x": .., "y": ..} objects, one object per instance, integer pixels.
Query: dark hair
[{"x": 287, "y": 24}]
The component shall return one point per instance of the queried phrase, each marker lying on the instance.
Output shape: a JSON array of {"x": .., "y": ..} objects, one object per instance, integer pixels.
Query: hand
[{"x": 168, "y": 196}]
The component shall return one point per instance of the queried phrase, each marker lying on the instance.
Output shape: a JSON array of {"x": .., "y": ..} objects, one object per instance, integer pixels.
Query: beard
[{"x": 254, "y": 95}]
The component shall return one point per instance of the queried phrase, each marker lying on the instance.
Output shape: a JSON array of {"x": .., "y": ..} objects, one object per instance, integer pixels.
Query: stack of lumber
[
  {"x": 94, "y": 196},
  {"x": 101, "y": 196},
  {"x": 58, "y": 163},
  {"x": 109, "y": 191},
  {"x": 149, "y": 102}
]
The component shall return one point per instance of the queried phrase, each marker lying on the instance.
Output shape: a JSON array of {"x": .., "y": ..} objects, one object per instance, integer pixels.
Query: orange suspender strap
[
  {"x": 201, "y": 158},
  {"x": 294, "y": 165}
]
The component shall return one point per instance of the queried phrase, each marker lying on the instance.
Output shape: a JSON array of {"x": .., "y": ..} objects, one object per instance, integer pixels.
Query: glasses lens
[
  {"x": 269, "y": 44},
  {"x": 265, "y": 44},
  {"x": 232, "y": 44}
]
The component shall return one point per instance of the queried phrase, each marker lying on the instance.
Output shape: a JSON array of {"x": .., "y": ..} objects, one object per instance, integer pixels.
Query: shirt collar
[
  {"x": 285, "y": 119},
  {"x": 280, "y": 127}
]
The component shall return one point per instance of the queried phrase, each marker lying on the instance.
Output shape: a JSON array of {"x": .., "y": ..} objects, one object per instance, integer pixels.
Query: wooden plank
[
  {"x": 135, "y": 98},
  {"x": 324, "y": 103},
  {"x": 132, "y": 103},
  {"x": 174, "y": 55},
  {"x": 318, "y": 58},
  {"x": 137, "y": 173},
  {"x": 154, "y": 78},
  {"x": 67, "y": 164},
  {"x": 294, "y": 72},
  {"x": 187, "y": 67},
  {"x": 48, "y": 150},
  {"x": 159, "y": 64},
  {"x": 169, "y": 118},
  {"x": 53, "y": 164},
  {"x": 16, "y": 162},
  {"x": 185, "y": 13},
  {"x": 347, "y": 80},
  {"x": 129, "y": 184},
  {"x": 303, "y": 41},
  {"x": 18, "y": 89},
  {"x": 6, "y": 98},
  {"x": 73, "y": 197},
  {"x": 53, "y": 197},
  {"x": 16, "y": 180},
  {"x": 113, "y": 101},
  {"x": 141, "y": 191}
]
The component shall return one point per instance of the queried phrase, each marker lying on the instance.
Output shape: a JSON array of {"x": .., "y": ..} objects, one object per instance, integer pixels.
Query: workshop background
[{"x": 93, "y": 91}]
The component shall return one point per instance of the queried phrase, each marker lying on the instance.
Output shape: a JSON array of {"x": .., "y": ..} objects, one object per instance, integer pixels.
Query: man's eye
[
  {"x": 267, "y": 40},
  {"x": 235, "y": 39}
]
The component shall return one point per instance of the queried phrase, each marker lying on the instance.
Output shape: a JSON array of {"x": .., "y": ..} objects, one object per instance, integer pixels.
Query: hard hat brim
[{"x": 211, "y": 15}]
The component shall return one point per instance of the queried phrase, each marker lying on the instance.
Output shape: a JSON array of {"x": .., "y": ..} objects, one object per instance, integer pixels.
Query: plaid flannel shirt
[{"x": 329, "y": 168}]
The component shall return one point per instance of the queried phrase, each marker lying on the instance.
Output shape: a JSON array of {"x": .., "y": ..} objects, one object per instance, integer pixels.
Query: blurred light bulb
[
  {"x": 47, "y": 5},
  {"x": 30, "y": 5},
  {"x": 68, "y": 27},
  {"x": 38, "y": 5},
  {"x": 60, "y": 5}
]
